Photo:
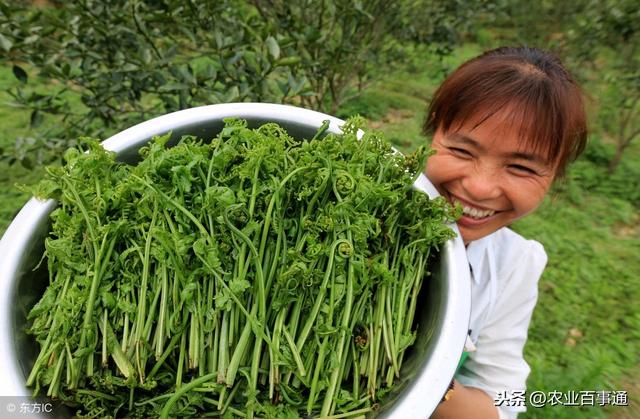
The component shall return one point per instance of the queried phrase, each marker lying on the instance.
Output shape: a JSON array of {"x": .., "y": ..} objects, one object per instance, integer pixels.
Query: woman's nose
[{"x": 482, "y": 183}]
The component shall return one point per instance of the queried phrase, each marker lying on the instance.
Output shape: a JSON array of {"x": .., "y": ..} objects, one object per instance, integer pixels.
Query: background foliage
[
  {"x": 92, "y": 68},
  {"x": 107, "y": 65}
]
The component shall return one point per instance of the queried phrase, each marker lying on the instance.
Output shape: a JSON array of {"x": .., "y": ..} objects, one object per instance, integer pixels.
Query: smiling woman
[
  {"x": 490, "y": 173},
  {"x": 505, "y": 125}
]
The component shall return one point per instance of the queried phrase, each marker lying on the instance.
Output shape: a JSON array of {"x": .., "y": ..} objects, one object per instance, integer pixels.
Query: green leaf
[
  {"x": 27, "y": 163},
  {"x": 238, "y": 285},
  {"x": 173, "y": 87},
  {"x": 288, "y": 61},
  {"x": 235, "y": 58},
  {"x": 130, "y": 67},
  {"x": 219, "y": 41},
  {"x": 20, "y": 73},
  {"x": 146, "y": 56},
  {"x": 6, "y": 9},
  {"x": 273, "y": 47},
  {"x": 5, "y": 43},
  {"x": 31, "y": 39},
  {"x": 208, "y": 72},
  {"x": 189, "y": 33},
  {"x": 36, "y": 119},
  {"x": 296, "y": 85},
  {"x": 185, "y": 74},
  {"x": 232, "y": 94}
]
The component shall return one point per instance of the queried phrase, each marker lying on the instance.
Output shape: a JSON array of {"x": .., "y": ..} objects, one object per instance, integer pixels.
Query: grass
[{"x": 585, "y": 332}]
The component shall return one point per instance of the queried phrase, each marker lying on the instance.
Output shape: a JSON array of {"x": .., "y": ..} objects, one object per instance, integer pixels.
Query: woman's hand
[{"x": 467, "y": 403}]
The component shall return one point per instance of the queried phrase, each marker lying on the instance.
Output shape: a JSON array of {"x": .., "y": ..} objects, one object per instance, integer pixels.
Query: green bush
[{"x": 103, "y": 66}]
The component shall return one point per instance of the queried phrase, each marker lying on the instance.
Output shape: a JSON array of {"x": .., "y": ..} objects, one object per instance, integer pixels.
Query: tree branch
[{"x": 143, "y": 32}]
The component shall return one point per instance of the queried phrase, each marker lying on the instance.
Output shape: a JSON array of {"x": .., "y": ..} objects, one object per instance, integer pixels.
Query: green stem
[
  {"x": 313, "y": 390},
  {"x": 342, "y": 345},
  {"x": 294, "y": 351},
  {"x": 88, "y": 315},
  {"x": 272, "y": 202},
  {"x": 223, "y": 348},
  {"x": 257, "y": 261},
  {"x": 164, "y": 414},
  {"x": 162, "y": 316},
  {"x": 320, "y": 297},
  {"x": 352, "y": 413},
  {"x": 168, "y": 349}
]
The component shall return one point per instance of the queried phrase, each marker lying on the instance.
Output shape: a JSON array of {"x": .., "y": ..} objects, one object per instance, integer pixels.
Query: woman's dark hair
[{"x": 532, "y": 85}]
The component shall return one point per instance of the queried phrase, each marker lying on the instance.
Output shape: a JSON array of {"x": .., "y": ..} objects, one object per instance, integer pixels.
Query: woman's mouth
[
  {"x": 472, "y": 213},
  {"x": 476, "y": 213}
]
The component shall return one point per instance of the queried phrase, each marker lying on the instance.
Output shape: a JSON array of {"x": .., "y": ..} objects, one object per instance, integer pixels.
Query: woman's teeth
[{"x": 475, "y": 212}]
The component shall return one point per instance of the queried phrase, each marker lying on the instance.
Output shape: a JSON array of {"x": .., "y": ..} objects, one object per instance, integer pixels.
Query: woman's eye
[
  {"x": 522, "y": 169},
  {"x": 460, "y": 152}
]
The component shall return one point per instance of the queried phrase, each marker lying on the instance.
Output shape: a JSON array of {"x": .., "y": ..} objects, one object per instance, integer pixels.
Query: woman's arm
[{"x": 468, "y": 403}]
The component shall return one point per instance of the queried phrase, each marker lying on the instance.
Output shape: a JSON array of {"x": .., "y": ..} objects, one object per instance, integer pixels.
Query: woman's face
[{"x": 491, "y": 172}]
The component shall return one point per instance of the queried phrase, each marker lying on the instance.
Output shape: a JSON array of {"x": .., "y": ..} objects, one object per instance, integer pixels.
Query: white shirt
[{"x": 505, "y": 268}]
